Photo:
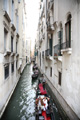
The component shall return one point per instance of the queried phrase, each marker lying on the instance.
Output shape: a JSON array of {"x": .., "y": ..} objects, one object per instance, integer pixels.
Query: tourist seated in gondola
[
  {"x": 42, "y": 80},
  {"x": 35, "y": 66},
  {"x": 45, "y": 101},
  {"x": 39, "y": 103},
  {"x": 36, "y": 71}
]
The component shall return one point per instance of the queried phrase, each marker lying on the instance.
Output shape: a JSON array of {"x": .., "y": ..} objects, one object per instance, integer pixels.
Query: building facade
[
  {"x": 58, "y": 51},
  {"x": 28, "y": 50},
  {"x": 12, "y": 47}
]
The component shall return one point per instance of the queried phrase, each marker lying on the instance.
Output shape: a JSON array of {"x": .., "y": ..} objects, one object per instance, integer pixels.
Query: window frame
[
  {"x": 50, "y": 71},
  {"x": 68, "y": 31},
  {"x": 5, "y": 39},
  {"x": 12, "y": 43},
  {"x": 59, "y": 78},
  {"x": 6, "y": 71},
  {"x": 12, "y": 67}
]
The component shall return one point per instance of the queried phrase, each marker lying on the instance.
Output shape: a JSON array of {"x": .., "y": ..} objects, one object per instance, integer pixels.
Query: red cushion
[{"x": 43, "y": 92}]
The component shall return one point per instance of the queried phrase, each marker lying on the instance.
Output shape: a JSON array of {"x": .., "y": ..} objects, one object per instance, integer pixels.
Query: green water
[{"x": 22, "y": 103}]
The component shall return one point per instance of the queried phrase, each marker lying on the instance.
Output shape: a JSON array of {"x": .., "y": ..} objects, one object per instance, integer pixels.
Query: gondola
[
  {"x": 42, "y": 114},
  {"x": 35, "y": 67},
  {"x": 34, "y": 76}
]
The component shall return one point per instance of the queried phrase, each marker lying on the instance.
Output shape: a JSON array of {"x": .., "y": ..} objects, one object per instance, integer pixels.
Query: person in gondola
[
  {"x": 45, "y": 101},
  {"x": 36, "y": 71},
  {"x": 43, "y": 81},
  {"x": 39, "y": 103}
]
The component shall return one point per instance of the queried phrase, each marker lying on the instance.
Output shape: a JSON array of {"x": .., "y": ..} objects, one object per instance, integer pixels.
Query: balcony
[
  {"x": 13, "y": 54},
  {"x": 48, "y": 54},
  {"x": 17, "y": 35},
  {"x": 66, "y": 47},
  {"x": 6, "y": 15},
  {"x": 60, "y": 49},
  {"x": 40, "y": 40},
  {"x": 17, "y": 54},
  {"x": 50, "y": 27},
  {"x": 57, "y": 51},
  {"x": 13, "y": 27}
]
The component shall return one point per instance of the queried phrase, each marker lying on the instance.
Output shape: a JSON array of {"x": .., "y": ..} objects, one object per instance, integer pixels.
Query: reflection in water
[{"x": 22, "y": 103}]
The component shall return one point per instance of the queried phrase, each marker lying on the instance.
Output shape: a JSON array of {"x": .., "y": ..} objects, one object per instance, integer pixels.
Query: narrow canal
[{"x": 22, "y": 103}]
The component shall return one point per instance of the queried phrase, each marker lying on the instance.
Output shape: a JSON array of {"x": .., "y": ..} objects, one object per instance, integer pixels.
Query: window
[
  {"x": 60, "y": 75},
  {"x": 50, "y": 71},
  {"x": 60, "y": 39},
  {"x": 16, "y": 47},
  {"x": 12, "y": 67},
  {"x": 16, "y": 64},
  {"x": 5, "y": 39},
  {"x": 26, "y": 59},
  {"x": 50, "y": 45},
  {"x": 11, "y": 44},
  {"x": 6, "y": 71},
  {"x": 68, "y": 31},
  {"x": 40, "y": 59}
]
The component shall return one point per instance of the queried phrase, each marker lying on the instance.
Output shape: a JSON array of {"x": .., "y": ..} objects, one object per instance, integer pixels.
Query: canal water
[{"x": 22, "y": 103}]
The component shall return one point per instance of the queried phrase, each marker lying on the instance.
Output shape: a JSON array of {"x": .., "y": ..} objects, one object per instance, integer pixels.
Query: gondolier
[{"x": 44, "y": 82}]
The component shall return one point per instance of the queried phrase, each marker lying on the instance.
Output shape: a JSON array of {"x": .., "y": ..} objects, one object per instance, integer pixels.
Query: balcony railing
[
  {"x": 66, "y": 45},
  {"x": 57, "y": 51},
  {"x": 58, "y": 48},
  {"x": 6, "y": 15},
  {"x": 48, "y": 52},
  {"x": 48, "y": 26}
]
